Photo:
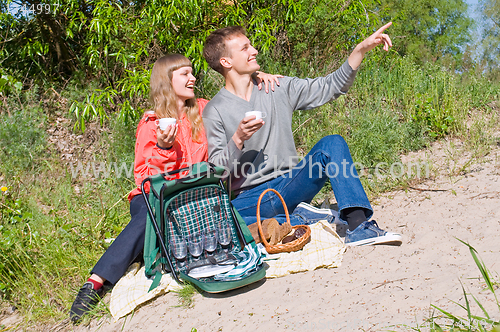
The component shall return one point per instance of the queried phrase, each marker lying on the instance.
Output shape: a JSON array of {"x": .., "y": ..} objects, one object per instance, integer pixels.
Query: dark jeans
[
  {"x": 127, "y": 246},
  {"x": 330, "y": 159}
]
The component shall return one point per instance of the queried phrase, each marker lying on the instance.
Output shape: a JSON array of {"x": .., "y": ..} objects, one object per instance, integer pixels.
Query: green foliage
[
  {"x": 124, "y": 55},
  {"x": 122, "y": 142},
  {"x": 433, "y": 120},
  {"x": 117, "y": 42},
  {"x": 22, "y": 140},
  {"x": 378, "y": 136},
  {"x": 490, "y": 44},
  {"x": 11, "y": 210},
  {"x": 322, "y": 33},
  {"x": 9, "y": 85},
  {"x": 427, "y": 30},
  {"x": 431, "y": 96},
  {"x": 393, "y": 106},
  {"x": 481, "y": 89},
  {"x": 35, "y": 42}
]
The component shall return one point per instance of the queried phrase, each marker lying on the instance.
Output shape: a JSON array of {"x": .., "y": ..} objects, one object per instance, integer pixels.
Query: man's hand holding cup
[{"x": 252, "y": 122}]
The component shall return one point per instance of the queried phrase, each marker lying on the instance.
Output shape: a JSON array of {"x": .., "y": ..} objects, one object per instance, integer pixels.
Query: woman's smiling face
[{"x": 183, "y": 82}]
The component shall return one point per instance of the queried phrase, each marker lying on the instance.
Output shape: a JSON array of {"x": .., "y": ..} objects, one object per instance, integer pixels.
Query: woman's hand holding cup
[{"x": 166, "y": 132}]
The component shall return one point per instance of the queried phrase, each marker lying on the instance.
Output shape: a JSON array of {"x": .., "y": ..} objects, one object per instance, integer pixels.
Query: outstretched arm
[
  {"x": 305, "y": 94},
  {"x": 379, "y": 37}
]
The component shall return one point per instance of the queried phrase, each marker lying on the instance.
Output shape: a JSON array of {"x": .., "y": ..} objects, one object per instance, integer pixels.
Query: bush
[{"x": 23, "y": 140}]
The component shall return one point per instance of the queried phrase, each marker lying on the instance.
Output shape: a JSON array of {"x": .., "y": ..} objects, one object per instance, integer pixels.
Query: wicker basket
[{"x": 294, "y": 245}]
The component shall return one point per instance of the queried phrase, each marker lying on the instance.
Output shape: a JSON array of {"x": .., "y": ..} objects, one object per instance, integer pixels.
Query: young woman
[{"x": 156, "y": 150}]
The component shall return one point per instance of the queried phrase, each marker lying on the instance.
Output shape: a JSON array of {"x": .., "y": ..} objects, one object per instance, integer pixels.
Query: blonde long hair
[{"x": 163, "y": 97}]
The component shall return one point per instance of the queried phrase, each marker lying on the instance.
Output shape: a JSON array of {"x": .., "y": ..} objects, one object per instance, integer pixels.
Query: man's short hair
[{"x": 215, "y": 45}]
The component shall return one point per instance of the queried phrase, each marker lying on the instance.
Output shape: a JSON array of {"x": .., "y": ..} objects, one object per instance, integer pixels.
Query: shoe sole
[
  {"x": 392, "y": 239},
  {"x": 315, "y": 209}
]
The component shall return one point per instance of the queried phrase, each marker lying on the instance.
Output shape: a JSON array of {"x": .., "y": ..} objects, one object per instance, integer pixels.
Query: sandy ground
[{"x": 377, "y": 288}]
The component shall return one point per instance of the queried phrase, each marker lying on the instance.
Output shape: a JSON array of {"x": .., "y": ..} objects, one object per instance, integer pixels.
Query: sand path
[{"x": 376, "y": 287}]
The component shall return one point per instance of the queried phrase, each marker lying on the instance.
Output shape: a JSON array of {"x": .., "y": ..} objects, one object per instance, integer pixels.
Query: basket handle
[{"x": 259, "y": 224}]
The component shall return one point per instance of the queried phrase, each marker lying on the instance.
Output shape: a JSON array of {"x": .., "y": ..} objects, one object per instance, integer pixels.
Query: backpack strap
[
  {"x": 247, "y": 235},
  {"x": 153, "y": 235}
]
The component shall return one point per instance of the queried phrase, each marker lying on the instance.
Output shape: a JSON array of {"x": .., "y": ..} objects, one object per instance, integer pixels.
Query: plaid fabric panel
[{"x": 196, "y": 211}]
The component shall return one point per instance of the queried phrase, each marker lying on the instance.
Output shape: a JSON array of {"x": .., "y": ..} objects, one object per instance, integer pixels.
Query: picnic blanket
[{"x": 325, "y": 250}]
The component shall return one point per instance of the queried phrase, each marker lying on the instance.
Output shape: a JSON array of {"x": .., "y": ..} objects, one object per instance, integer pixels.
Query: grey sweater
[{"x": 270, "y": 152}]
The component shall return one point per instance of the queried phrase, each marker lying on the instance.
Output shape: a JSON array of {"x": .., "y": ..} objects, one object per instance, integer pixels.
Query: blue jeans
[{"x": 330, "y": 159}]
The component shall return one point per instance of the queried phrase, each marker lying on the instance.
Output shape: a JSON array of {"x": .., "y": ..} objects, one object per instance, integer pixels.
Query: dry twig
[{"x": 388, "y": 282}]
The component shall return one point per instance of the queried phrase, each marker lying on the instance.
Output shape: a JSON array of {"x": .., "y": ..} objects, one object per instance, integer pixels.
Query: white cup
[
  {"x": 165, "y": 122},
  {"x": 258, "y": 114}
]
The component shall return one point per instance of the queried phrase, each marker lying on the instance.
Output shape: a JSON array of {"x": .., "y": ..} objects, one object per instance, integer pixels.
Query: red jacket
[{"x": 150, "y": 159}]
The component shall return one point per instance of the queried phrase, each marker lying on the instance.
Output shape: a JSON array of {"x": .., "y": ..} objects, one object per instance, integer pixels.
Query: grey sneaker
[
  {"x": 310, "y": 214},
  {"x": 369, "y": 233}
]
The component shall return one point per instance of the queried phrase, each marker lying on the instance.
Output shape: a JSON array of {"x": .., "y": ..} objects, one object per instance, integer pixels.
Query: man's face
[{"x": 242, "y": 55}]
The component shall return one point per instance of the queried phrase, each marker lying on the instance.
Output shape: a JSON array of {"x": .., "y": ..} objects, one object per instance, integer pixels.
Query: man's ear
[{"x": 225, "y": 62}]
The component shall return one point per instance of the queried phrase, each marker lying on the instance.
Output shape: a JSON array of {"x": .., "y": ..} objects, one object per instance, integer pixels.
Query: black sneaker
[{"x": 85, "y": 301}]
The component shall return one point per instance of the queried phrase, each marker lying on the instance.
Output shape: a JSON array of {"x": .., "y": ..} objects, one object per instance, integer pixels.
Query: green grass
[
  {"x": 23, "y": 140},
  {"x": 395, "y": 107},
  {"x": 186, "y": 294},
  {"x": 469, "y": 322},
  {"x": 52, "y": 234},
  {"x": 442, "y": 320},
  {"x": 60, "y": 241}
]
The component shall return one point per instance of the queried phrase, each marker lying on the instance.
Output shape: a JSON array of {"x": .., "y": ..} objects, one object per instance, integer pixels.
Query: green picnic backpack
[{"x": 196, "y": 206}]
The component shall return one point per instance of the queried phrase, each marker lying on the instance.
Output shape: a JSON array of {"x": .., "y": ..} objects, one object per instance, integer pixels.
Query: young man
[{"x": 261, "y": 154}]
